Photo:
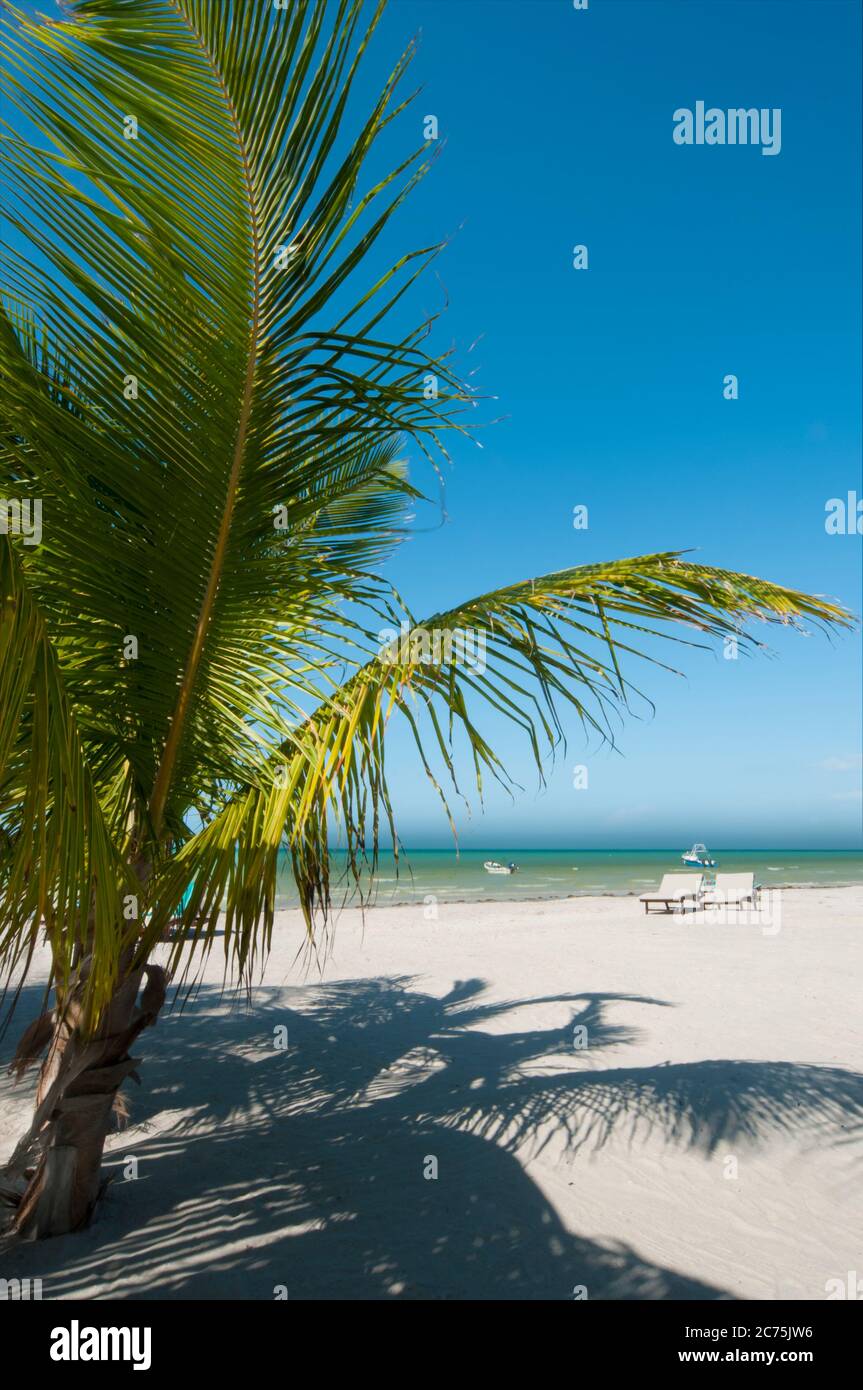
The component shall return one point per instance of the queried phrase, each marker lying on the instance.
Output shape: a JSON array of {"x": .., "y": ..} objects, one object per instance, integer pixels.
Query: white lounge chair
[
  {"x": 733, "y": 890},
  {"x": 675, "y": 891}
]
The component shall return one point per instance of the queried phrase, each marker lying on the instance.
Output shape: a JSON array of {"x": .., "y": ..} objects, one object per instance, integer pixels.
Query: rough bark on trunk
[{"x": 58, "y": 1162}]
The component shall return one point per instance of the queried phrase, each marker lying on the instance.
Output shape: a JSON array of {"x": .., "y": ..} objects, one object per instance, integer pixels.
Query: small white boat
[
  {"x": 491, "y": 866},
  {"x": 698, "y": 858}
]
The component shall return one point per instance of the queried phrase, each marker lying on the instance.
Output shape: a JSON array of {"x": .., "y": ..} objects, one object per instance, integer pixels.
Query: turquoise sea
[{"x": 568, "y": 873}]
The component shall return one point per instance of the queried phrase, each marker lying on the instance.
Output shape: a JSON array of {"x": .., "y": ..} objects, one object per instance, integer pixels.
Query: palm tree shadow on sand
[{"x": 304, "y": 1168}]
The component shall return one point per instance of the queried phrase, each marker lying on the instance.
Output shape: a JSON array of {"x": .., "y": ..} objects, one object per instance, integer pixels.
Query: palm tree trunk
[{"x": 78, "y": 1085}]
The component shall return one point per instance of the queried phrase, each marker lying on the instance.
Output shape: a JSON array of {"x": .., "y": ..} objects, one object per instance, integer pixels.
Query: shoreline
[{"x": 587, "y": 895}]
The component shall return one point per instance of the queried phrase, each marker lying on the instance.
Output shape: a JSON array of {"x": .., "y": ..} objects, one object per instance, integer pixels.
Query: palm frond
[
  {"x": 215, "y": 303},
  {"x": 551, "y": 643},
  {"x": 61, "y": 862}
]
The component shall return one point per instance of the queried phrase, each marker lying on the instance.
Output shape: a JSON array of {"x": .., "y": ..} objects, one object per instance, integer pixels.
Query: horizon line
[{"x": 627, "y": 849}]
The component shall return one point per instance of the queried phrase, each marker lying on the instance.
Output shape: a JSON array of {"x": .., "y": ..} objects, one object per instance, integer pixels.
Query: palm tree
[{"x": 213, "y": 417}]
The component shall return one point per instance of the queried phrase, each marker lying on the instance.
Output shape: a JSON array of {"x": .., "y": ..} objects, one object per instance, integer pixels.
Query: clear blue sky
[{"x": 703, "y": 261}]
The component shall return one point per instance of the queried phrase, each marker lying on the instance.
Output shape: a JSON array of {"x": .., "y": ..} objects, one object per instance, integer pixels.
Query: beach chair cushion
[
  {"x": 675, "y": 888},
  {"x": 732, "y": 888}
]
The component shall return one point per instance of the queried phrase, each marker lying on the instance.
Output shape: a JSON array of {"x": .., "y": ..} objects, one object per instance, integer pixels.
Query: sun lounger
[
  {"x": 732, "y": 890},
  {"x": 675, "y": 891}
]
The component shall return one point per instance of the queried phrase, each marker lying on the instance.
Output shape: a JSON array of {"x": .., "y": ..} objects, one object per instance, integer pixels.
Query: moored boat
[
  {"x": 491, "y": 866},
  {"x": 698, "y": 858}
]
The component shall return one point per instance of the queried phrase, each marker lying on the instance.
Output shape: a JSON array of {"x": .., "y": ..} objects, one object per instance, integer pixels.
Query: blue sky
[{"x": 703, "y": 261}]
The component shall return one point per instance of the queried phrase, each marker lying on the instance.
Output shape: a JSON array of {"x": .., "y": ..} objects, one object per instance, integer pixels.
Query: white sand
[{"x": 706, "y": 1143}]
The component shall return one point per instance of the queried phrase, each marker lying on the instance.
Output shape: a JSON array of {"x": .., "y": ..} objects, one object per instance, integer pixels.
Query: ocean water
[{"x": 573, "y": 873}]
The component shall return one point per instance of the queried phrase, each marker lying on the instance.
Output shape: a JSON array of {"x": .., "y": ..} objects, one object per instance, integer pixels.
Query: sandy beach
[{"x": 529, "y": 1100}]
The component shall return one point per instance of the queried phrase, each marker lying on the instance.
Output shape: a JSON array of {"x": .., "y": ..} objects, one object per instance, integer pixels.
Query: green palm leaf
[{"x": 61, "y": 861}]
